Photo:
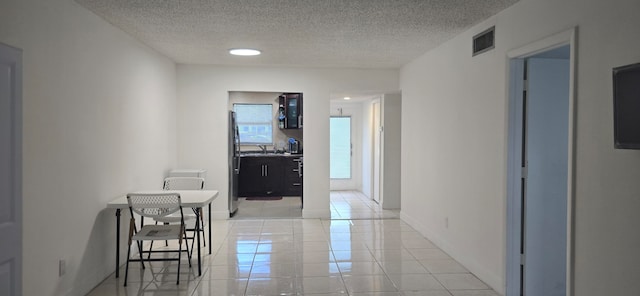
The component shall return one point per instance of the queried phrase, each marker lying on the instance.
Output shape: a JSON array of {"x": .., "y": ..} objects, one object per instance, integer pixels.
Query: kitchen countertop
[{"x": 269, "y": 154}]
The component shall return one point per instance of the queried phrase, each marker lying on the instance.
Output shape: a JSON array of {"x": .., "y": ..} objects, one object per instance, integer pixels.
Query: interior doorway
[
  {"x": 375, "y": 147},
  {"x": 11, "y": 226},
  {"x": 265, "y": 154},
  {"x": 540, "y": 169}
]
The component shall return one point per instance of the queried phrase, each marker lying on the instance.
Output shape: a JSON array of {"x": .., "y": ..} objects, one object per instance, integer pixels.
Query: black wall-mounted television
[{"x": 626, "y": 106}]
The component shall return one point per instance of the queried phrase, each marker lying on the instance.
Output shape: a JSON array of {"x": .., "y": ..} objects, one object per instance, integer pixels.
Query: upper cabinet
[{"x": 290, "y": 111}]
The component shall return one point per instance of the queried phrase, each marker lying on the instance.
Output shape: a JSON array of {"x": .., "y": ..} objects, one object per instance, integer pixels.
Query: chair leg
[
  {"x": 166, "y": 243},
  {"x": 201, "y": 232},
  {"x": 202, "y": 227},
  {"x": 141, "y": 253},
  {"x": 179, "y": 258},
  {"x": 204, "y": 237},
  {"x": 133, "y": 230},
  {"x": 126, "y": 271},
  {"x": 186, "y": 244},
  {"x": 150, "y": 247},
  {"x": 194, "y": 238},
  {"x": 193, "y": 242}
]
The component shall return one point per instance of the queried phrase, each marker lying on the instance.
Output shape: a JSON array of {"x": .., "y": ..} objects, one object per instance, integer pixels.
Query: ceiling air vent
[{"x": 484, "y": 41}]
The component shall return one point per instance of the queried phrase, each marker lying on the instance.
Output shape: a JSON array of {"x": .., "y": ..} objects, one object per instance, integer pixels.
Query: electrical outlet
[
  {"x": 62, "y": 267},
  {"x": 446, "y": 222}
]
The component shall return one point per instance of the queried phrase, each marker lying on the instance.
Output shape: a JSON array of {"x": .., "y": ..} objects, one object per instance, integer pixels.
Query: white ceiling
[{"x": 310, "y": 33}]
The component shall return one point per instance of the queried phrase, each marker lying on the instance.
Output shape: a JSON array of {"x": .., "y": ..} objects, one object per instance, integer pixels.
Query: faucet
[{"x": 263, "y": 148}]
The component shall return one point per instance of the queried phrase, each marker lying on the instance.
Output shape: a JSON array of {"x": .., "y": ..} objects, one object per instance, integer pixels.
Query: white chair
[
  {"x": 155, "y": 206},
  {"x": 184, "y": 183}
]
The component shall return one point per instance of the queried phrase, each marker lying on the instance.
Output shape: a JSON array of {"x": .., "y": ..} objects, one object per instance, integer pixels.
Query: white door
[
  {"x": 545, "y": 190},
  {"x": 376, "y": 152},
  {"x": 341, "y": 149},
  {"x": 10, "y": 171}
]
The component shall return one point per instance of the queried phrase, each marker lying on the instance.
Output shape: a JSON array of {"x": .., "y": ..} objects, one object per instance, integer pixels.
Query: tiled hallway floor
[
  {"x": 356, "y": 205},
  {"x": 287, "y": 207},
  {"x": 309, "y": 257},
  {"x": 343, "y": 204}
]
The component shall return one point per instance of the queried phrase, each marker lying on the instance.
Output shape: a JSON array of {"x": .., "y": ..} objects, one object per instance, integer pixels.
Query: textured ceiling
[{"x": 316, "y": 33}]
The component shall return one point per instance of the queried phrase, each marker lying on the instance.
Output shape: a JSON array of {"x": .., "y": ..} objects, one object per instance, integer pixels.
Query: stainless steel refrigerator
[{"x": 234, "y": 163}]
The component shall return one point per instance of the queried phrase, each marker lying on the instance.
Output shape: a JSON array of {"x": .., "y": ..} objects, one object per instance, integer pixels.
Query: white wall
[
  {"x": 353, "y": 109},
  {"x": 391, "y": 151},
  {"x": 202, "y": 119},
  {"x": 454, "y": 141},
  {"x": 99, "y": 121}
]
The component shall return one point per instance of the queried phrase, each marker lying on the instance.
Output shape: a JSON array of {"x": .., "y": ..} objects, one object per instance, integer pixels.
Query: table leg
[
  {"x": 197, "y": 233},
  {"x": 117, "y": 242},
  {"x": 209, "y": 228}
]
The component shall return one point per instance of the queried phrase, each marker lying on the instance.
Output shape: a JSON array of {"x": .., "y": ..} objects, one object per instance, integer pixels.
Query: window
[
  {"x": 340, "y": 147},
  {"x": 254, "y": 123}
]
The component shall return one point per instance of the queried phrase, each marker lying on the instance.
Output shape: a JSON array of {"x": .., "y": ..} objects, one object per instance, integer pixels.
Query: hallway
[{"x": 356, "y": 205}]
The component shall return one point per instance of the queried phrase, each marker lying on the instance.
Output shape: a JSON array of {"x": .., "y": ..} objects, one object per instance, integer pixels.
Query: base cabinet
[
  {"x": 270, "y": 176},
  {"x": 292, "y": 176},
  {"x": 260, "y": 176}
]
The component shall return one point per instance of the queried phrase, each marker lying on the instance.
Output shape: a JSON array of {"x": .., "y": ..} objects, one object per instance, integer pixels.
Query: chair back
[
  {"x": 183, "y": 183},
  {"x": 154, "y": 205}
]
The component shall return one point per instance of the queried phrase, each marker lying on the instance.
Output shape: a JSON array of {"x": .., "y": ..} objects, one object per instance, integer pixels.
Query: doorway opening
[
  {"x": 11, "y": 225},
  {"x": 265, "y": 155},
  {"x": 373, "y": 189},
  {"x": 540, "y": 168}
]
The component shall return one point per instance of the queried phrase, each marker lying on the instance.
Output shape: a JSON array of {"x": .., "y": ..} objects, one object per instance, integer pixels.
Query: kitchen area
[{"x": 265, "y": 154}]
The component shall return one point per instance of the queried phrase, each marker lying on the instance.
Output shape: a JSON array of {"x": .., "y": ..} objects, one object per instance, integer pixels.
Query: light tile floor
[
  {"x": 310, "y": 257},
  {"x": 356, "y": 205},
  {"x": 287, "y": 207}
]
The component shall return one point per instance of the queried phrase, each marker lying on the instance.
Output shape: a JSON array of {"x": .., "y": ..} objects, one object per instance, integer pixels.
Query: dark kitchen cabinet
[
  {"x": 270, "y": 176},
  {"x": 292, "y": 176},
  {"x": 290, "y": 111},
  {"x": 260, "y": 176}
]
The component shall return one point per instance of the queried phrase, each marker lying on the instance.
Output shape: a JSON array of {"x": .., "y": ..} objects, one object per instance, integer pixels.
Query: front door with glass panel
[{"x": 340, "y": 147}]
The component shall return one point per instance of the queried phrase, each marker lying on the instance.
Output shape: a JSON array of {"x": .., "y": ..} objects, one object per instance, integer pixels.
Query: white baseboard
[
  {"x": 316, "y": 214},
  {"x": 495, "y": 281}
]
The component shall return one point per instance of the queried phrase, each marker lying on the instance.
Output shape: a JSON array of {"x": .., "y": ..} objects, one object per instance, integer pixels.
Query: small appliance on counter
[{"x": 294, "y": 146}]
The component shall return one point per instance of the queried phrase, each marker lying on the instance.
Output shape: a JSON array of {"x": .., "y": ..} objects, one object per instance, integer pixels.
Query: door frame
[
  {"x": 376, "y": 133},
  {"x": 12, "y": 230},
  {"x": 515, "y": 61}
]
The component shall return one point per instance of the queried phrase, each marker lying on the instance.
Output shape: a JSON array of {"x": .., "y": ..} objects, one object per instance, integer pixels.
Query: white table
[{"x": 195, "y": 199}]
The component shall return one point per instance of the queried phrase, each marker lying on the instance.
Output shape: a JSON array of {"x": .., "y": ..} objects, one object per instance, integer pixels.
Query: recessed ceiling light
[
  {"x": 347, "y": 98},
  {"x": 244, "y": 51}
]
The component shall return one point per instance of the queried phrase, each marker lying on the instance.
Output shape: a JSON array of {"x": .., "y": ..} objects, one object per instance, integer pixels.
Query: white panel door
[
  {"x": 10, "y": 171},
  {"x": 545, "y": 214}
]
